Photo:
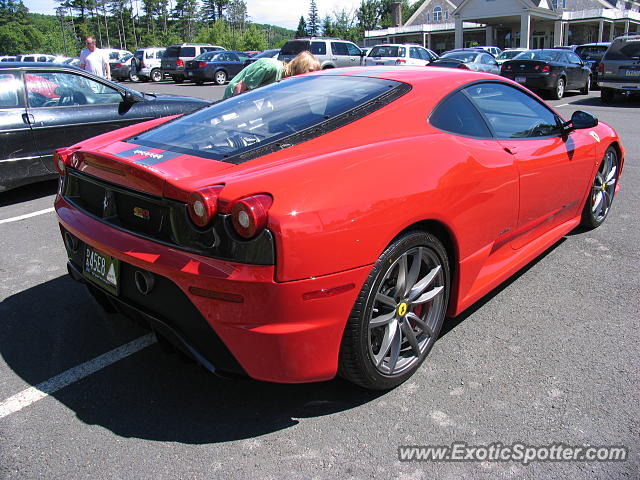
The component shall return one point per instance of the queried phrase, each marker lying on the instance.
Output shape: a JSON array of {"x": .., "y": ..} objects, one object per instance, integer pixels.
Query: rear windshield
[
  {"x": 387, "y": 51},
  {"x": 187, "y": 51},
  {"x": 172, "y": 52},
  {"x": 207, "y": 55},
  {"x": 624, "y": 50},
  {"x": 591, "y": 52},
  {"x": 462, "y": 56},
  {"x": 265, "y": 115},
  {"x": 294, "y": 48},
  {"x": 266, "y": 53},
  {"x": 139, "y": 54},
  {"x": 540, "y": 55}
]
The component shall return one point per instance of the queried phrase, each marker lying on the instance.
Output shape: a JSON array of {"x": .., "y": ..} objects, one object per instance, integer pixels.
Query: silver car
[
  {"x": 399, "y": 54},
  {"x": 330, "y": 52},
  {"x": 619, "y": 69},
  {"x": 478, "y": 60}
]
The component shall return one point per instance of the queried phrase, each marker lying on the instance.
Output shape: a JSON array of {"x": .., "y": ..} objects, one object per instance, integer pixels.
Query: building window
[
  {"x": 437, "y": 14},
  {"x": 446, "y": 14},
  {"x": 564, "y": 3},
  {"x": 428, "y": 17}
]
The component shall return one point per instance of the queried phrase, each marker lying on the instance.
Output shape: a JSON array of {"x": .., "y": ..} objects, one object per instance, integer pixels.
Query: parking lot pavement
[{"x": 550, "y": 357}]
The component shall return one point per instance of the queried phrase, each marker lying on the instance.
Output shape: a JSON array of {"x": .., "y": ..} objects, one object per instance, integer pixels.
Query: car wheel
[
  {"x": 133, "y": 77},
  {"x": 558, "y": 92},
  {"x": 587, "y": 86},
  {"x": 156, "y": 75},
  {"x": 177, "y": 79},
  {"x": 220, "y": 77},
  {"x": 606, "y": 95},
  {"x": 600, "y": 198},
  {"x": 199, "y": 82},
  {"x": 398, "y": 313}
]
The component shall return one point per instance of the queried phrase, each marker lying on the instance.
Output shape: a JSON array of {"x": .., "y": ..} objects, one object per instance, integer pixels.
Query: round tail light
[
  {"x": 179, "y": 63},
  {"x": 546, "y": 68},
  {"x": 203, "y": 204},
  {"x": 249, "y": 215}
]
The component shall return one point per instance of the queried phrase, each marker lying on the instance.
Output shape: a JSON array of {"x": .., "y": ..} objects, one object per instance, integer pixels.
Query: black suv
[
  {"x": 592, "y": 53},
  {"x": 619, "y": 70}
]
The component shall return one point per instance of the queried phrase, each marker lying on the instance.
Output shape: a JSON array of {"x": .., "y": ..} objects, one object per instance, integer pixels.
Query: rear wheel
[
  {"x": 606, "y": 95},
  {"x": 587, "y": 86},
  {"x": 199, "y": 82},
  {"x": 133, "y": 77},
  {"x": 398, "y": 313},
  {"x": 558, "y": 92},
  {"x": 600, "y": 198},
  {"x": 177, "y": 78},
  {"x": 156, "y": 75},
  {"x": 220, "y": 77}
]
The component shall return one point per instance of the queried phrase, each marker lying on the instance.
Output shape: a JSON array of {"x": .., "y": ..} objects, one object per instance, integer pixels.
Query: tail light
[
  {"x": 537, "y": 67},
  {"x": 249, "y": 215},
  {"x": 64, "y": 157},
  {"x": 179, "y": 63},
  {"x": 601, "y": 68},
  {"x": 203, "y": 204},
  {"x": 119, "y": 65},
  {"x": 142, "y": 65},
  {"x": 463, "y": 66},
  {"x": 506, "y": 67},
  {"x": 202, "y": 64},
  {"x": 546, "y": 69},
  {"x": 400, "y": 61}
]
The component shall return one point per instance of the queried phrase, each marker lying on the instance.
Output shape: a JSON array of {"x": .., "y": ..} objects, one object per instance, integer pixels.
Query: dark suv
[
  {"x": 330, "y": 52},
  {"x": 619, "y": 70},
  {"x": 592, "y": 53},
  {"x": 175, "y": 57}
]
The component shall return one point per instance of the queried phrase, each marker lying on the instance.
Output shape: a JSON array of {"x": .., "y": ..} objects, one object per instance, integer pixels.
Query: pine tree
[
  {"x": 313, "y": 25},
  {"x": 302, "y": 28}
]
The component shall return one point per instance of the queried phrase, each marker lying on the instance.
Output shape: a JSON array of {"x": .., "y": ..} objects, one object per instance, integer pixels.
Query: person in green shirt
[{"x": 268, "y": 70}]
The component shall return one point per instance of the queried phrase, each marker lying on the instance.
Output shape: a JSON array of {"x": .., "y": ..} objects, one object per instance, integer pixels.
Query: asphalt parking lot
[{"x": 550, "y": 357}]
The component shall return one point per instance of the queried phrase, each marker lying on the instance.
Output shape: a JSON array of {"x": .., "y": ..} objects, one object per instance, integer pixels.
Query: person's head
[
  {"x": 304, "y": 62},
  {"x": 90, "y": 42}
]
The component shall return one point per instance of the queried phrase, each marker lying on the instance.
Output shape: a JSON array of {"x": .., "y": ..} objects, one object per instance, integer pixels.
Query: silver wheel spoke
[
  {"x": 606, "y": 201},
  {"x": 389, "y": 334},
  {"x": 396, "y": 344},
  {"x": 421, "y": 323},
  {"x": 410, "y": 335},
  {"x": 611, "y": 178},
  {"x": 386, "y": 300},
  {"x": 597, "y": 203},
  {"x": 422, "y": 285},
  {"x": 430, "y": 295},
  {"x": 381, "y": 320}
]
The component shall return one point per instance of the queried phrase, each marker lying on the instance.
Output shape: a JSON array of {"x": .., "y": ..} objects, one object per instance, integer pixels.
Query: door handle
[
  {"x": 28, "y": 118},
  {"x": 512, "y": 149}
]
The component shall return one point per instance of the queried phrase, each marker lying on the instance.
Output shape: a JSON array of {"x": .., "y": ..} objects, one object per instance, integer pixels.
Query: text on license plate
[
  {"x": 521, "y": 79},
  {"x": 633, "y": 73},
  {"x": 102, "y": 269}
]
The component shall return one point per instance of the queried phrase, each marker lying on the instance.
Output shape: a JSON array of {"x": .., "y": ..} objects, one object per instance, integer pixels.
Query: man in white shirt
[{"x": 94, "y": 60}]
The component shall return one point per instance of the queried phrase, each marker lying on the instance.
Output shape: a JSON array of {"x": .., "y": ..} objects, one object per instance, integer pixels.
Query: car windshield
[
  {"x": 265, "y": 115},
  {"x": 539, "y": 55},
  {"x": 294, "y": 47},
  {"x": 591, "y": 52},
  {"x": 125, "y": 58},
  {"x": 462, "y": 56},
  {"x": 387, "y": 51}
]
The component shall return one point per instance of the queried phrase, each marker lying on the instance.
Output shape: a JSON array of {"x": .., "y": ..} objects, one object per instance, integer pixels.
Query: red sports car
[{"x": 327, "y": 223}]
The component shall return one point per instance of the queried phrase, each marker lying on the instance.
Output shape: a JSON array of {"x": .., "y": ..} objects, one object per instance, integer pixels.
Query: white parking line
[
  {"x": 28, "y": 215},
  {"x": 33, "y": 394},
  {"x": 563, "y": 105}
]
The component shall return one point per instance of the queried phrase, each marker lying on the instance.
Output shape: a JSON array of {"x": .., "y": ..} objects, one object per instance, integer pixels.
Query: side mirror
[
  {"x": 580, "y": 120},
  {"x": 128, "y": 97}
]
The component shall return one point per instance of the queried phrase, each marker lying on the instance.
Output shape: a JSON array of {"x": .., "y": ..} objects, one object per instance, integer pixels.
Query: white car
[
  {"x": 495, "y": 51},
  {"x": 35, "y": 57},
  {"x": 146, "y": 64},
  {"x": 399, "y": 54},
  {"x": 114, "y": 53}
]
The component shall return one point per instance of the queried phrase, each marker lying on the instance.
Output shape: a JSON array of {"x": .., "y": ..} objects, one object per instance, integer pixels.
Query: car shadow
[
  {"x": 55, "y": 326},
  {"x": 619, "y": 101},
  {"x": 29, "y": 192}
]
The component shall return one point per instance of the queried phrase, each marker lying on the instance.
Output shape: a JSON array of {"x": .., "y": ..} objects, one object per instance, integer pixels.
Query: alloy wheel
[{"x": 604, "y": 186}]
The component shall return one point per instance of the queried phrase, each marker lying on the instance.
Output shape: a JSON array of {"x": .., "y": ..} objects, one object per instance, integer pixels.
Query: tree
[
  {"x": 254, "y": 39},
  {"x": 302, "y": 28},
  {"x": 313, "y": 25},
  {"x": 237, "y": 14}
]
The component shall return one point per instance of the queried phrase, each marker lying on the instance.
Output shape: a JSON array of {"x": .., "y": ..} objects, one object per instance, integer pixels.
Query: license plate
[
  {"x": 633, "y": 73},
  {"x": 521, "y": 79},
  {"x": 190, "y": 74},
  {"x": 102, "y": 269}
]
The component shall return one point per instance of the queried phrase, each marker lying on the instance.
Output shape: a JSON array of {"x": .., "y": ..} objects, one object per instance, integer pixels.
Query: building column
[
  {"x": 612, "y": 30},
  {"x": 488, "y": 39},
  {"x": 626, "y": 27},
  {"x": 557, "y": 33},
  {"x": 429, "y": 41},
  {"x": 525, "y": 25},
  {"x": 459, "y": 40},
  {"x": 600, "y": 30},
  {"x": 565, "y": 34}
]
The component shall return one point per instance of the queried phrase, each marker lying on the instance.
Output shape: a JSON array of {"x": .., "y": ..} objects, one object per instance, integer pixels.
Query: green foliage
[
  {"x": 302, "y": 28},
  {"x": 254, "y": 39},
  {"x": 313, "y": 24},
  {"x": 16, "y": 38}
]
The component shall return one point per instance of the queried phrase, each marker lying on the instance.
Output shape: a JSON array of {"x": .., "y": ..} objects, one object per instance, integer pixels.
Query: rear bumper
[
  {"x": 198, "y": 75},
  {"x": 543, "y": 81},
  {"x": 275, "y": 333},
  {"x": 622, "y": 84}
]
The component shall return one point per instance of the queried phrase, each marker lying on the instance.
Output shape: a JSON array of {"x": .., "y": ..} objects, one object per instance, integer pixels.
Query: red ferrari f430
[{"x": 327, "y": 223}]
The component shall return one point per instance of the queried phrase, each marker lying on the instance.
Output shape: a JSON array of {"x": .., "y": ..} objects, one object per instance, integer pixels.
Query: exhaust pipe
[
  {"x": 70, "y": 242},
  {"x": 145, "y": 281}
]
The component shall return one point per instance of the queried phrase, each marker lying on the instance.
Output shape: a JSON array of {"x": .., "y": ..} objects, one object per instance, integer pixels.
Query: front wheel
[
  {"x": 558, "y": 92},
  {"x": 134, "y": 77},
  {"x": 220, "y": 77},
  {"x": 156, "y": 75},
  {"x": 398, "y": 313},
  {"x": 603, "y": 189}
]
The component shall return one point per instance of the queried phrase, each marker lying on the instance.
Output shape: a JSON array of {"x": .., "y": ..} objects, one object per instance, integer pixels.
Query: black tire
[
  {"x": 133, "y": 77},
  {"x": 399, "y": 310},
  {"x": 558, "y": 91},
  {"x": 607, "y": 95},
  {"x": 177, "y": 78},
  {"x": 602, "y": 191},
  {"x": 155, "y": 75},
  {"x": 220, "y": 77},
  {"x": 199, "y": 82},
  {"x": 587, "y": 86}
]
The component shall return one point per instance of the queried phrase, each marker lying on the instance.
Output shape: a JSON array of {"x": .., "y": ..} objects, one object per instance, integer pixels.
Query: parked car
[
  {"x": 619, "y": 69},
  {"x": 113, "y": 54},
  {"x": 121, "y": 68},
  {"x": 328, "y": 223},
  {"x": 468, "y": 59},
  {"x": 147, "y": 64},
  {"x": 7, "y": 58},
  {"x": 175, "y": 57},
  {"x": 218, "y": 67},
  {"x": 495, "y": 51},
  {"x": 399, "y": 54},
  {"x": 552, "y": 70},
  {"x": 35, "y": 57},
  {"x": 45, "y": 106},
  {"x": 330, "y": 52},
  {"x": 273, "y": 53},
  {"x": 592, "y": 53},
  {"x": 72, "y": 62},
  {"x": 508, "y": 54}
]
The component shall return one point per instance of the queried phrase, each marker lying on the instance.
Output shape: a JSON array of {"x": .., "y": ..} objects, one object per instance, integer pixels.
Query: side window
[
  {"x": 414, "y": 52},
  {"x": 353, "y": 50},
  {"x": 159, "y": 54},
  {"x": 47, "y": 89},
  {"x": 318, "y": 48},
  {"x": 457, "y": 114},
  {"x": 488, "y": 60},
  {"x": 339, "y": 48},
  {"x": 232, "y": 57},
  {"x": 512, "y": 113},
  {"x": 10, "y": 90},
  {"x": 573, "y": 58}
]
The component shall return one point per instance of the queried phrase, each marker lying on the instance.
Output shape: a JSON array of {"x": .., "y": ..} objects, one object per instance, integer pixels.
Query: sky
[{"x": 283, "y": 13}]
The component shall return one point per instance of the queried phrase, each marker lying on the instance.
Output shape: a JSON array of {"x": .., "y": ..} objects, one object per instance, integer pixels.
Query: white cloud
[{"x": 283, "y": 13}]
